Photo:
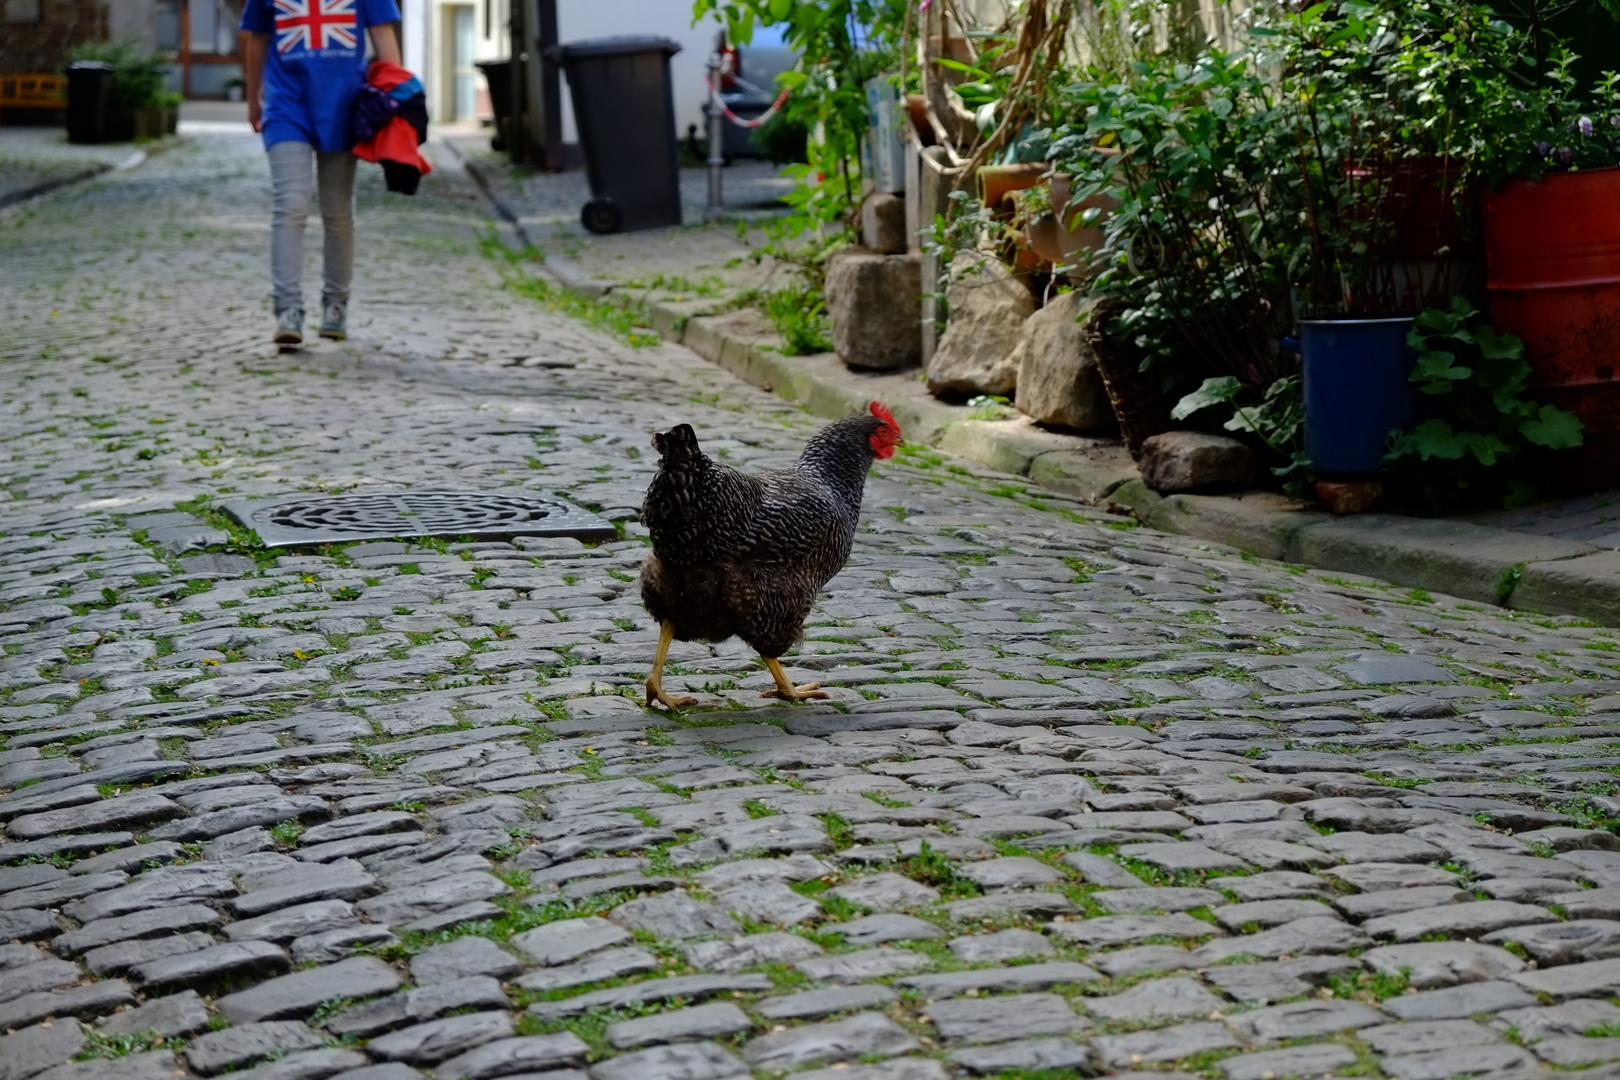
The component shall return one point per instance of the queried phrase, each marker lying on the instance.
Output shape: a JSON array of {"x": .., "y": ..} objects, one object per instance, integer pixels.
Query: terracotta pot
[
  {"x": 1058, "y": 243},
  {"x": 917, "y": 110},
  {"x": 996, "y": 182},
  {"x": 1553, "y": 251},
  {"x": 151, "y": 123},
  {"x": 955, "y": 48}
]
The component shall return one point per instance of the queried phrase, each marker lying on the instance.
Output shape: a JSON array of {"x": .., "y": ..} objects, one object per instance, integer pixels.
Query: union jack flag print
[{"x": 315, "y": 24}]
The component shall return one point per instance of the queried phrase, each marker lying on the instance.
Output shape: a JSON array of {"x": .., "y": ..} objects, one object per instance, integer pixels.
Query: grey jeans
[{"x": 293, "y": 170}]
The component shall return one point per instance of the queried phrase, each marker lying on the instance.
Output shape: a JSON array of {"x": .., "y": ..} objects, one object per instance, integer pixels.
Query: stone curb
[
  {"x": 1475, "y": 562},
  {"x": 87, "y": 172}
]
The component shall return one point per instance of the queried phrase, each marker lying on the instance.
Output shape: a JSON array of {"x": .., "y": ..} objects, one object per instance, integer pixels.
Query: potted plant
[
  {"x": 1255, "y": 192},
  {"x": 1541, "y": 144},
  {"x": 136, "y": 97},
  {"x": 1066, "y": 227},
  {"x": 159, "y": 117}
]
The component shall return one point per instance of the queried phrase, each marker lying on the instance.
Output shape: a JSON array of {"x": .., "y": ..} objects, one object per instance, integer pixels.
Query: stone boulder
[
  {"x": 883, "y": 224},
  {"x": 875, "y": 304},
  {"x": 1058, "y": 379},
  {"x": 1193, "y": 461},
  {"x": 988, "y": 307}
]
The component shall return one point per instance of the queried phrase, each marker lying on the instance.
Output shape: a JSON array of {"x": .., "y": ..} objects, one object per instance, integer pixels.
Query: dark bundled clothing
[
  {"x": 390, "y": 122},
  {"x": 375, "y": 107}
]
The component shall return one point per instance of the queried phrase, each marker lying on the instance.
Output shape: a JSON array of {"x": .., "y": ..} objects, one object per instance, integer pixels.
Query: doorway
[{"x": 463, "y": 81}]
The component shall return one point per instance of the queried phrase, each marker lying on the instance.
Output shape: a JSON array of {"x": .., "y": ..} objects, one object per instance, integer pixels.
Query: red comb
[{"x": 885, "y": 415}]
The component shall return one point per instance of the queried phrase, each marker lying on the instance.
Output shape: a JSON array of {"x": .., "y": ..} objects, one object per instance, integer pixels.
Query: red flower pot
[{"x": 1552, "y": 248}]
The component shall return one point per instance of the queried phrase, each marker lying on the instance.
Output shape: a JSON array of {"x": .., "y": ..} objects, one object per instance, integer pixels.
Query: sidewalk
[
  {"x": 1556, "y": 558},
  {"x": 33, "y": 160}
]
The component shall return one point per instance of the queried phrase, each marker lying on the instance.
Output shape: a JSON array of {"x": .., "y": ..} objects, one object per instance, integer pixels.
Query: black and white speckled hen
[{"x": 745, "y": 556}]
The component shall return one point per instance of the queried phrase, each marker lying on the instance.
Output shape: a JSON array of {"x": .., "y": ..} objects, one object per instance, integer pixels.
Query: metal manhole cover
[{"x": 325, "y": 519}]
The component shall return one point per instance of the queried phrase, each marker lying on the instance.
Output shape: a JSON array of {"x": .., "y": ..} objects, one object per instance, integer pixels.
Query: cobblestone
[{"x": 1084, "y": 797}]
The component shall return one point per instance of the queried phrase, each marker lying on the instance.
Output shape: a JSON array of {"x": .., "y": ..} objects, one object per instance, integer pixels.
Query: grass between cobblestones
[
  {"x": 1018, "y": 587},
  {"x": 520, "y": 272}
]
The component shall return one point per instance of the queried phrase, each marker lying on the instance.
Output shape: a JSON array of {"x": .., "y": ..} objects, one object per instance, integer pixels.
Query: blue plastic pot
[{"x": 1356, "y": 391}]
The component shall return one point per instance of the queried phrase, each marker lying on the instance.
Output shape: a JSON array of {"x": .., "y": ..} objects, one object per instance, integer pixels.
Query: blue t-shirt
[{"x": 316, "y": 65}]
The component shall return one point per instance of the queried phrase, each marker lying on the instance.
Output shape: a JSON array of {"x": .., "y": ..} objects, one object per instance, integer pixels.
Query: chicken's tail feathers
[{"x": 677, "y": 444}]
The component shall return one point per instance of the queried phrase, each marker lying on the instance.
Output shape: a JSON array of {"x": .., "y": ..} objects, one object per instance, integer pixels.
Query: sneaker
[
  {"x": 335, "y": 321},
  {"x": 290, "y": 327}
]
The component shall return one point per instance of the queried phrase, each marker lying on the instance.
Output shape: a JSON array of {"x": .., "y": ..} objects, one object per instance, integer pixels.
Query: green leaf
[
  {"x": 780, "y": 10},
  {"x": 1554, "y": 428},
  {"x": 1486, "y": 448},
  {"x": 1213, "y": 392},
  {"x": 1240, "y": 421},
  {"x": 1435, "y": 439},
  {"x": 1495, "y": 346},
  {"x": 1520, "y": 495},
  {"x": 984, "y": 117},
  {"x": 1438, "y": 372},
  {"x": 956, "y": 65}
]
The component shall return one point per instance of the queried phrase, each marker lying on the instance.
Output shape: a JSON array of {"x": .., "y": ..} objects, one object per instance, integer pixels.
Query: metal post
[{"x": 716, "y": 208}]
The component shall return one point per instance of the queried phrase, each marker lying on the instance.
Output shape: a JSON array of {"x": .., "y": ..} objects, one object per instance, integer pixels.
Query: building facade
[
  {"x": 445, "y": 38},
  {"x": 34, "y": 34}
]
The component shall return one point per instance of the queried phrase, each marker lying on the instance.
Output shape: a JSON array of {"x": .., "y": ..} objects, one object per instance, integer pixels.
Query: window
[
  {"x": 461, "y": 62},
  {"x": 168, "y": 25},
  {"x": 204, "y": 25}
]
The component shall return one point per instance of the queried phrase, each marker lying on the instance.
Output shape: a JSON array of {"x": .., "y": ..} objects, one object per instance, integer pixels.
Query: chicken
[{"x": 745, "y": 556}]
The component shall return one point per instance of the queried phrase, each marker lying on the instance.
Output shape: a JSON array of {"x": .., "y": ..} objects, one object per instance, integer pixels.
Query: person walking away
[{"x": 305, "y": 63}]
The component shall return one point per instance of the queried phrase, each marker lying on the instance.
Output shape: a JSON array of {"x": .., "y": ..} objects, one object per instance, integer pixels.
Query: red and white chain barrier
[{"x": 739, "y": 121}]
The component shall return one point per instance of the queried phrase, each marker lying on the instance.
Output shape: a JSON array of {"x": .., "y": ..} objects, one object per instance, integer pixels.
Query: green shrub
[
  {"x": 138, "y": 75},
  {"x": 1480, "y": 429},
  {"x": 799, "y": 314},
  {"x": 783, "y": 139}
]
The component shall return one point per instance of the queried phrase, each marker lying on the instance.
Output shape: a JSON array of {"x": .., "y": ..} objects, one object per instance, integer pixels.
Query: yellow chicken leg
[
  {"x": 655, "y": 680},
  {"x": 784, "y": 686}
]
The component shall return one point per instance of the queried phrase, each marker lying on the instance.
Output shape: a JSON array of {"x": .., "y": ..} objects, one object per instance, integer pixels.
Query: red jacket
[{"x": 395, "y": 145}]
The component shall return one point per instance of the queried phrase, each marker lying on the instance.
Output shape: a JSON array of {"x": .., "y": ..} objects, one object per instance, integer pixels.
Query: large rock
[
  {"x": 988, "y": 307},
  {"x": 883, "y": 224},
  {"x": 1193, "y": 461},
  {"x": 875, "y": 304},
  {"x": 1058, "y": 379}
]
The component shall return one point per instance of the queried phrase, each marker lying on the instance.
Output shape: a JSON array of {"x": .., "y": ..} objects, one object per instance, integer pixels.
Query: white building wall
[
  {"x": 426, "y": 52},
  {"x": 133, "y": 18},
  {"x": 415, "y": 34},
  {"x": 579, "y": 19}
]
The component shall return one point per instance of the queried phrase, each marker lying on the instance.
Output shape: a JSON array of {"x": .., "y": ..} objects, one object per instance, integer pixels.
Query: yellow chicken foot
[
  {"x": 655, "y": 679},
  {"x": 784, "y": 686}
]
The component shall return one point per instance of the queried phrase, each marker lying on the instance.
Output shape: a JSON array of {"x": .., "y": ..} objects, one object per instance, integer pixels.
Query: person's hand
[{"x": 256, "y": 115}]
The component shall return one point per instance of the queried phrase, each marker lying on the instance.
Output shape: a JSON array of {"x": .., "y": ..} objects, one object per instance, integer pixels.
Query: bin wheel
[{"x": 601, "y": 216}]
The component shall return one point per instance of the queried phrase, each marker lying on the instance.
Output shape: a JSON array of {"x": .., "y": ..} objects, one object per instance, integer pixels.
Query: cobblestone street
[{"x": 1085, "y": 798}]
